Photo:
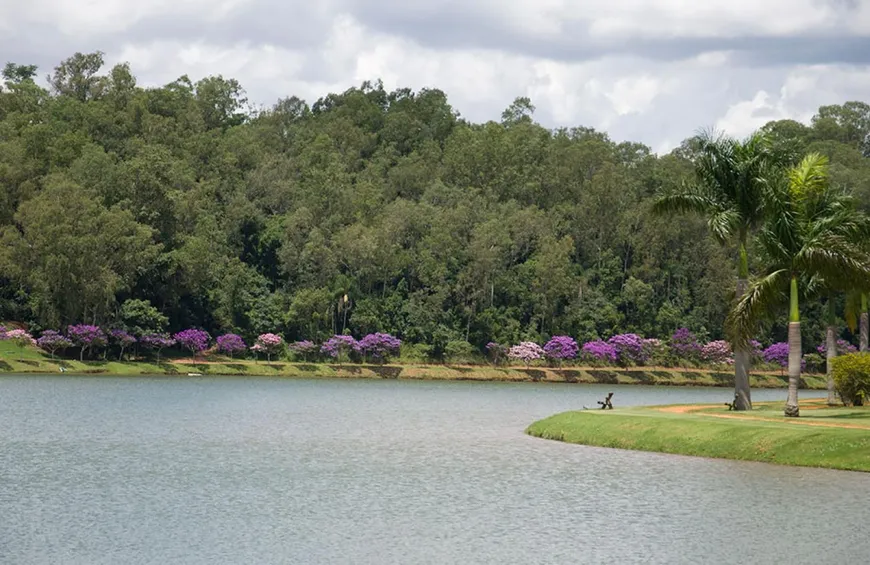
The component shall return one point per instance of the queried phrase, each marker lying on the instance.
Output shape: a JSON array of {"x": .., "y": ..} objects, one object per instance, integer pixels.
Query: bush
[
  {"x": 852, "y": 377},
  {"x": 460, "y": 351}
]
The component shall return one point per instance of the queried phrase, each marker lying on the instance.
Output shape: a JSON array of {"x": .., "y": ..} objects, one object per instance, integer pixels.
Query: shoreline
[
  {"x": 588, "y": 375},
  {"x": 823, "y": 437}
]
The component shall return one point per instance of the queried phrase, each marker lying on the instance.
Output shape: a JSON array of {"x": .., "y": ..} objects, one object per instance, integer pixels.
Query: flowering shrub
[
  {"x": 156, "y": 342},
  {"x": 53, "y": 341},
  {"x": 777, "y": 353},
  {"x": 561, "y": 347},
  {"x": 685, "y": 345},
  {"x": 3, "y": 333},
  {"x": 528, "y": 351},
  {"x": 629, "y": 348},
  {"x": 230, "y": 344},
  {"x": 303, "y": 348},
  {"x": 194, "y": 340},
  {"x": 340, "y": 346},
  {"x": 379, "y": 345},
  {"x": 717, "y": 352},
  {"x": 843, "y": 347},
  {"x": 497, "y": 352},
  {"x": 599, "y": 350},
  {"x": 123, "y": 339},
  {"x": 270, "y": 344},
  {"x": 86, "y": 337},
  {"x": 755, "y": 349}
]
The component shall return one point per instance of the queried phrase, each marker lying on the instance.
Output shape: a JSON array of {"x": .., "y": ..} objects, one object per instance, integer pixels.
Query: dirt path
[{"x": 696, "y": 408}]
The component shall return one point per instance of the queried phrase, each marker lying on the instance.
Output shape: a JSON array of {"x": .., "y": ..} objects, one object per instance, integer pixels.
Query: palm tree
[
  {"x": 728, "y": 192},
  {"x": 864, "y": 324},
  {"x": 811, "y": 234}
]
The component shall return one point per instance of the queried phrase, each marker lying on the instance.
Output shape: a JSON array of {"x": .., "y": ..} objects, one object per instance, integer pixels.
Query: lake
[{"x": 171, "y": 470}]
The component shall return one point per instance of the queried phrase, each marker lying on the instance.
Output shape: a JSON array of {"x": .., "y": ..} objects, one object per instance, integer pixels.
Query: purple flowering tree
[
  {"x": 194, "y": 340},
  {"x": 123, "y": 339},
  {"x": 3, "y": 333},
  {"x": 339, "y": 347},
  {"x": 379, "y": 346},
  {"x": 86, "y": 337},
  {"x": 777, "y": 354},
  {"x": 528, "y": 351},
  {"x": 53, "y": 342},
  {"x": 843, "y": 347},
  {"x": 304, "y": 348},
  {"x": 561, "y": 347},
  {"x": 270, "y": 344},
  {"x": 717, "y": 353},
  {"x": 599, "y": 351},
  {"x": 629, "y": 349},
  {"x": 685, "y": 345},
  {"x": 231, "y": 344},
  {"x": 497, "y": 352},
  {"x": 157, "y": 342}
]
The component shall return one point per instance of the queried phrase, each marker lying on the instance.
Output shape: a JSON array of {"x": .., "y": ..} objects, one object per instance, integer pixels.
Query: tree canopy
[{"x": 207, "y": 212}]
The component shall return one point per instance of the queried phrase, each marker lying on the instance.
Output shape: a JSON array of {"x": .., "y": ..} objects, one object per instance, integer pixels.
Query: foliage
[
  {"x": 497, "y": 352},
  {"x": 851, "y": 375},
  {"x": 156, "y": 209},
  {"x": 599, "y": 350}
]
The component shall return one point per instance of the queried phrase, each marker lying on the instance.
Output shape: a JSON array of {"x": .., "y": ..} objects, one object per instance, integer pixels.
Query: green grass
[
  {"x": 14, "y": 359},
  {"x": 741, "y": 437}
]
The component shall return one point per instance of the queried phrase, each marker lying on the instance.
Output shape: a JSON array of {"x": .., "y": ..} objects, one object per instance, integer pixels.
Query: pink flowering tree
[
  {"x": 270, "y": 344},
  {"x": 194, "y": 340},
  {"x": 527, "y": 351},
  {"x": 717, "y": 353},
  {"x": 20, "y": 337},
  {"x": 86, "y": 337}
]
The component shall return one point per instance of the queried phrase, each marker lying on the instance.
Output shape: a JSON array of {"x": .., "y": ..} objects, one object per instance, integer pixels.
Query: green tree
[
  {"x": 728, "y": 192},
  {"x": 812, "y": 233}
]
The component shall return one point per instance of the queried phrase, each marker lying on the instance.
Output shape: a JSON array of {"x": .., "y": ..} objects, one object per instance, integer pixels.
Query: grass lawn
[{"x": 837, "y": 438}]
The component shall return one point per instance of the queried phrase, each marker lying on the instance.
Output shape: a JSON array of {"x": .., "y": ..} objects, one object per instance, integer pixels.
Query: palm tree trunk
[
  {"x": 742, "y": 360},
  {"x": 831, "y": 345},
  {"x": 795, "y": 349},
  {"x": 865, "y": 325}
]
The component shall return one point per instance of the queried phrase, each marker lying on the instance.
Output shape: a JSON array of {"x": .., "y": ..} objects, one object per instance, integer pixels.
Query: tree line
[{"x": 367, "y": 211}]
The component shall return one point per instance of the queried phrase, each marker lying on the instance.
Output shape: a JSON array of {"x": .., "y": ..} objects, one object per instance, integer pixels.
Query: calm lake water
[{"x": 100, "y": 470}]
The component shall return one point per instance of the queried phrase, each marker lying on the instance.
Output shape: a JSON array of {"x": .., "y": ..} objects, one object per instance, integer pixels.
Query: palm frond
[
  {"x": 762, "y": 298},
  {"x": 842, "y": 265},
  {"x": 809, "y": 178},
  {"x": 688, "y": 198}
]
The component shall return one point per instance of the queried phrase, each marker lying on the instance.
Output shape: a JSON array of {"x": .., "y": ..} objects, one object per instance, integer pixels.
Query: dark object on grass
[
  {"x": 606, "y": 404},
  {"x": 732, "y": 405}
]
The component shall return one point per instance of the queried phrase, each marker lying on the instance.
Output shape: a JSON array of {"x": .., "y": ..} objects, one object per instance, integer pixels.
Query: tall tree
[
  {"x": 730, "y": 175},
  {"x": 811, "y": 232}
]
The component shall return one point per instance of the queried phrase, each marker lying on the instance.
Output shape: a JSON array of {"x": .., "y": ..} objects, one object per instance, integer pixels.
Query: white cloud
[{"x": 482, "y": 53}]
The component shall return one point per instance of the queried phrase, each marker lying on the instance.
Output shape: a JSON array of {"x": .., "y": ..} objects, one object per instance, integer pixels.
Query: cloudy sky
[{"x": 647, "y": 70}]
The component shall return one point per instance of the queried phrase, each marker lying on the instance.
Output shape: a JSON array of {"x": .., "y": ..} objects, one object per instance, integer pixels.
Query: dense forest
[{"x": 366, "y": 211}]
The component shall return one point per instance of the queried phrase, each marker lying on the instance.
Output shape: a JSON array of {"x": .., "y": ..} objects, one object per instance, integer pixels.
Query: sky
[{"x": 654, "y": 71}]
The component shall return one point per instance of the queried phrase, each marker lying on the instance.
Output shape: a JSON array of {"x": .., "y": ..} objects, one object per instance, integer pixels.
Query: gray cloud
[{"x": 644, "y": 70}]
